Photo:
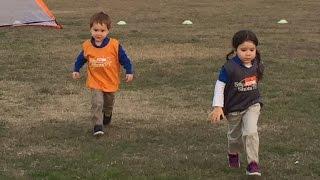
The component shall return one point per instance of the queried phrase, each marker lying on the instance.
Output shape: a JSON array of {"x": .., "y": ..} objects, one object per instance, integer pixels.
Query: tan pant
[
  {"x": 243, "y": 132},
  {"x": 102, "y": 103}
]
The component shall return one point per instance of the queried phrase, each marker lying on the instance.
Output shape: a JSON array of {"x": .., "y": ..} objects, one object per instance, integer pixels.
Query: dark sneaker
[
  {"x": 106, "y": 120},
  {"x": 97, "y": 130},
  {"x": 253, "y": 169},
  {"x": 234, "y": 161}
]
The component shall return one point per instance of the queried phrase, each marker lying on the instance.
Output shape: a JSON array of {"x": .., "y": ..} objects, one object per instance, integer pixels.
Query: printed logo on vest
[
  {"x": 247, "y": 84},
  {"x": 100, "y": 62}
]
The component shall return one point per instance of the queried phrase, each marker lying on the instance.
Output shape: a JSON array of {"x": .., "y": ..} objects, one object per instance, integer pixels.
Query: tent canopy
[{"x": 26, "y": 12}]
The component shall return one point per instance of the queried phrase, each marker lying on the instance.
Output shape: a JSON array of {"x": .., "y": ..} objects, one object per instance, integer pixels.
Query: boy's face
[{"x": 99, "y": 32}]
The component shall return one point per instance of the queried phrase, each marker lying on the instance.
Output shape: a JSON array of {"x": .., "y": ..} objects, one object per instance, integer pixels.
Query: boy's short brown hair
[{"x": 101, "y": 18}]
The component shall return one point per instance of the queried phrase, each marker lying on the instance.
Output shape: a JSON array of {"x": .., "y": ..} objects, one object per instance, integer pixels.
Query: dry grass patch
[{"x": 171, "y": 52}]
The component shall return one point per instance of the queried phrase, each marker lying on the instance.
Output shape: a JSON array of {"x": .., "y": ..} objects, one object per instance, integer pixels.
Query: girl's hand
[
  {"x": 129, "y": 77},
  {"x": 76, "y": 75},
  {"x": 216, "y": 114}
]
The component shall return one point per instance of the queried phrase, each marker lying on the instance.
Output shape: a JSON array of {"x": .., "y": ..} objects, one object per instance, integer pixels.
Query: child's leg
[
  {"x": 250, "y": 133},
  {"x": 108, "y": 103},
  {"x": 97, "y": 105},
  {"x": 234, "y": 134}
]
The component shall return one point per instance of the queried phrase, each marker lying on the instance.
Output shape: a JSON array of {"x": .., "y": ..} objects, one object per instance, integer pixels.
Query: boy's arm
[
  {"x": 81, "y": 60},
  {"x": 125, "y": 61}
]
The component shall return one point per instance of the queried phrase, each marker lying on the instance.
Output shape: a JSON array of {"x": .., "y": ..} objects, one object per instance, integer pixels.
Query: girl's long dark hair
[{"x": 239, "y": 38}]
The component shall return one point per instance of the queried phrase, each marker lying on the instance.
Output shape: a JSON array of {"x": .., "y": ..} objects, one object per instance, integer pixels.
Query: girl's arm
[
  {"x": 217, "y": 103},
  {"x": 218, "y": 97}
]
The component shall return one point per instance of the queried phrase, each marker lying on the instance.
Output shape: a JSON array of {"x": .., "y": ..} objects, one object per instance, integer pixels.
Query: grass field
[{"x": 160, "y": 128}]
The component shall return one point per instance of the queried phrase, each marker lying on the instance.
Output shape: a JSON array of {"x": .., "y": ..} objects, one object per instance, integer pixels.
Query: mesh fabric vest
[
  {"x": 242, "y": 89},
  {"x": 103, "y": 66}
]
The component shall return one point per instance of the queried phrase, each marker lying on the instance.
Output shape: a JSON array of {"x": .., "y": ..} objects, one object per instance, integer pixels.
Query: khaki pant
[
  {"x": 102, "y": 104},
  {"x": 243, "y": 132}
]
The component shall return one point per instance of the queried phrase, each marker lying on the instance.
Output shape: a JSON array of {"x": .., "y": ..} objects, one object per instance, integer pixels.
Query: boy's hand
[
  {"x": 76, "y": 75},
  {"x": 216, "y": 115},
  {"x": 129, "y": 77}
]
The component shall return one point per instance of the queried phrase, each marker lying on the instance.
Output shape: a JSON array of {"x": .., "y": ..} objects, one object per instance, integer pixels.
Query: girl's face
[
  {"x": 99, "y": 32},
  {"x": 246, "y": 52}
]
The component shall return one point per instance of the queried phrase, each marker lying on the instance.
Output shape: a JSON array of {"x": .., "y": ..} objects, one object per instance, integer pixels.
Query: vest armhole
[
  {"x": 228, "y": 67},
  {"x": 115, "y": 43},
  {"x": 85, "y": 45}
]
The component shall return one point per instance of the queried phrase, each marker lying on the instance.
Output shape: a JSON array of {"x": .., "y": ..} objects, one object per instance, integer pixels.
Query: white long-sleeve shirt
[{"x": 218, "y": 97}]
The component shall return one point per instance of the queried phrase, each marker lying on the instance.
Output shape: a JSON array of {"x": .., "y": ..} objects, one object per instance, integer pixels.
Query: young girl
[{"x": 237, "y": 98}]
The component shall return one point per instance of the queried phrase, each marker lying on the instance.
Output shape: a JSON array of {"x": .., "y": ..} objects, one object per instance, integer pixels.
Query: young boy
[{"x": 104, "y": 56}]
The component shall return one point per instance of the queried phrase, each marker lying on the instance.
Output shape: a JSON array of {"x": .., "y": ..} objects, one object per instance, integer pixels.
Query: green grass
[
  {"x": 2, "y": 127},
  {"x": 159, "y": 128}
]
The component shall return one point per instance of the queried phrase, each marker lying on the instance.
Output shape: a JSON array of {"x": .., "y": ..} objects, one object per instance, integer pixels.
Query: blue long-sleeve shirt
[{"x": 123, "y": 58}]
